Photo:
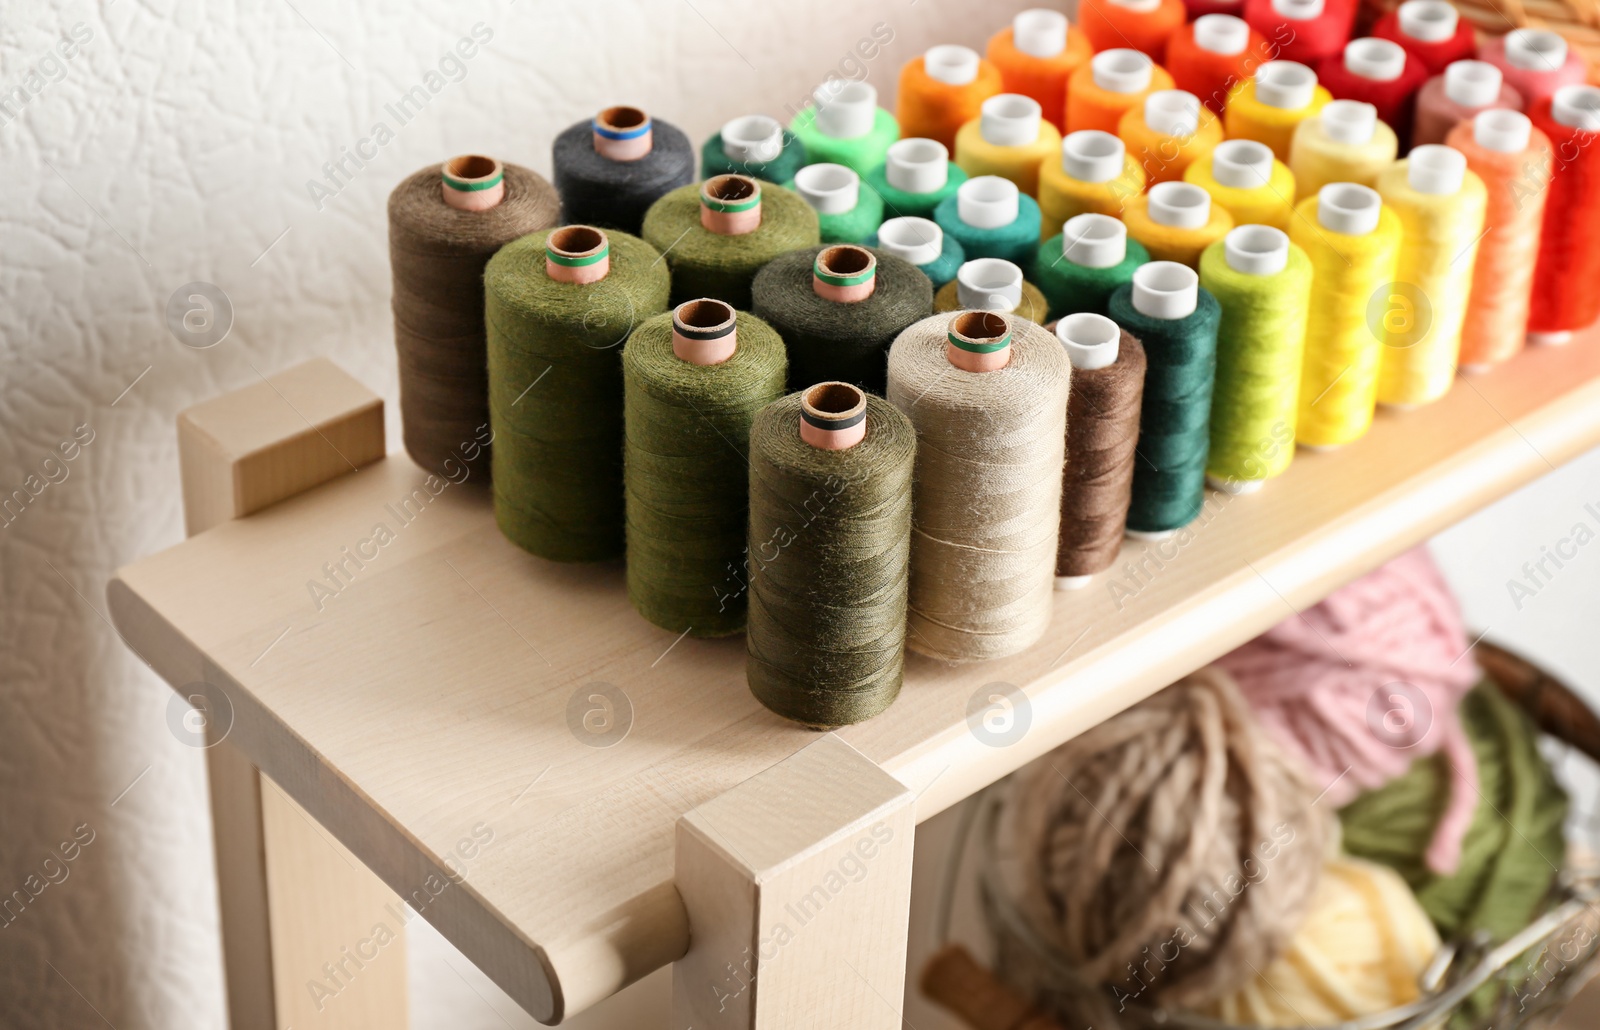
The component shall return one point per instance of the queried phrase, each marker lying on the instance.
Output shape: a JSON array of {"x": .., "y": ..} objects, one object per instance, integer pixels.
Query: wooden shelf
[{"x": 422, "y": 713}]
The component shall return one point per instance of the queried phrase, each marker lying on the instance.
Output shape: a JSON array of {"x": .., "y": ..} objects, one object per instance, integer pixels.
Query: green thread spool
[
  {"x": 753, "y": 145},
  {"x": 1263, "y": 284},
  {"x": 715, "y": 264},
  {"x": 829, "y": 548},
  {"x": 989, "y": 217},
  {"x": 555, "y": 386},
  {"x": 845, "y": 126},
  {"x": 693, "y": 381},
  {"x": 1176, "y": 321},
  {"x": 915, "y": 177},
  {"x": 845, "y": 212},
  {"x": 921, "y": 242},
  {"x": 1078, "y": 269}
]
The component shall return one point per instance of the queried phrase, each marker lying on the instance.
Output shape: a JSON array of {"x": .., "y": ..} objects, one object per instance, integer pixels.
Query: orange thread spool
[
  {"x": 1143, "y": 25},
  {"x": 1093, "y": 106},
  {"x": 1203, "y": 60},
  {"x": 1169, "y": 132},
  {"x": 935, "y": 104},
  {"x": 1041, "y": 76}
]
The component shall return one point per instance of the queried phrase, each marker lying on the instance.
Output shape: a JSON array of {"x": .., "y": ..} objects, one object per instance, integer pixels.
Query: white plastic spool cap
[
  {"x": 1120, "y": 71},
  {"x": 1242, "y": 164},
  {"x": 1172, "y": 112},
  {"x": 987, "y": 202},
  {"x": 829, "y": 189},
  {"x": 951, "y": 64},
  {"x": 1536, "y": 50},
  {"x": 1431, "y": 21},
  {"x": 1221, "y": 33},
  {"x": 1138, "y": 5},
  {"x": 917, "y": 240},
  {"x": 1039, "y": 33},
  {"x": 1165, "y": 289},
  {"x": 1256, "y": 249},
  {"x": 1094, "y": 241},
  {"x": 1179, "y": 205},
  {"x": 1298, "y": 10},
  {"x": 1381, "y": 60},
  {"x": 1577, "y": 107},
  {"x": 1286, "y": 85},
  {"x": 1347, "y": 208},
  {"x": 1090, "y": 340},
  {"x": 989, "y": 284},
  {"x": 1506, "y": 132},
  {"x": 1436, "y": 169},
  {"x": 1009, "y": 120},
  {"x": 845, "y": 109},
  {"x": 1472, "y": 83},
  {"x": 1349, "y": 121},
  {"x": 917, "y": 165},
  {"x": 755, "y": 137},
  {"x": 1090, "y": 155}
]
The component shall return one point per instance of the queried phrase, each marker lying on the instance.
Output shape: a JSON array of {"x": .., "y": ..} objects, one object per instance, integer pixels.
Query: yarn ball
[
  {"x": 706, "y": 264},
  {"x": 1359, "y": 685},
  {"x": 596, "y": 190},
  {"x": 714, "y": 160},
  {"x": 854, "y": 225},
  {"x": 1173, "y": 846},
  {"x": 1034, "y": 307},
  {"x": 861, "y": 153},
  {"x": 897, "y": 203},
  {"x": 1014, "y": 243}
]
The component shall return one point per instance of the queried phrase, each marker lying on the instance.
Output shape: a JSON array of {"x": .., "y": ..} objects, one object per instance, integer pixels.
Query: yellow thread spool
[
  {"x": 1269, "y": 107},
  {"x": 1245, "y": 179},
  {"x": 1344, "y": 143},
  {"x": 1010, "y": 138},
  {"x": 1094, "y": 174},
  {"x": 1169, "y": 132},
  {"x": 1176, "y": 221}
]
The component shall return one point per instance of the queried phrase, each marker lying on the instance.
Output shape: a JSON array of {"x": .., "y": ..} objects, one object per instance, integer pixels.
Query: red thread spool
[
  {"x": 1565, "y": 297},
  {"x": 1036, "y": 56},
  {"x": 1431, "y": 31},
  {"x": 1377, "y": 72},
  {"x": 1209, "y": 56},
  {"x": 1201, "y": 8},
  {"x": 1143, "y": 25},
  {"x": 1302, "y": 30}
]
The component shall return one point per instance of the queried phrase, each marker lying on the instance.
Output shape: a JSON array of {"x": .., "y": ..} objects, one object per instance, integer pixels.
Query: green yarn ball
[
  {"x": 861, "y": 153},
  {"x": 1071, "y": 288},
  {"x": 898, "y": 203},
  {"x": 1017, "y": 243},
  {"x": 854, "y": 225},
  {"x": 715, "y": 161},
  {"x": 705, "y": 264}
]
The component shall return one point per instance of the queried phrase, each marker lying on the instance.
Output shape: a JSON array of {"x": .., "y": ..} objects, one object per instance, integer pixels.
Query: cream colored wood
[
  {"x": 798, "y": 885},
  {"x": 433, "y": 691},
  {"x": 241, "y": 861}
]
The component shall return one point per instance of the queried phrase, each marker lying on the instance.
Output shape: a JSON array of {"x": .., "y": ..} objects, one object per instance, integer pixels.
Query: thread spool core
[
  {"x": 1179, "y": 205},
  {"x": 951, "y": 64},
  {"x": 578, "y": 254},
  {"x": 1166, "y": 290},
  {"x": 704, "y": 331},
  {"x": 1073, "y": 582},
  {"x": 845, "y": 109},
  {"x": 1577, "y": 107},
  {"x": 1010, "y": 120},
  {"x": 1242, "y": 164},
  {"x": 1431, "y": 21},
  {"x": 1120, "y": 71},
  {"x": 845, "y": 274},
  {"x": 1221, "y": 34},
  {"x": 1506, "y": 132},
  {"x": 917, "y": 240},
  {"x": 730, "y": 205},
  {"x": 1142, "y": 6},
  {"x": 622, "y": 134},
  {"x": 473, "y": 182},
  {"x": 1349, "y": 121},
  {"x": 978, "y": 341},
  {"x": 1090, "y": 155},
  {"x": 1345, "y": 207},
  {"x": 830, "y": 189},
  {"x": 1234, "y": 487},
  {"x": 1039, "y": 33},
  {"x": 1556, "y": 339},
  {"x": 1286, "y": 85},
  {"x": 1535, "y": 50},
  {"x": 917, "y": 165},
  {"x": 1436, "y": 169},
  {"x": 1298, "y": 10},
  {"x": 1472, "y": 83},
  {"x": 1172, "y": 112},
  {"x": 1091, "y": 341},
  {"x": 989, "y": 284},
  {"x": 1256, "y": 250},
  {"x": 752, "y": 139},
  {"x": 1379, "y": 60},
  {"x": 833, "y": 416},
  {"x": 987, "y": 202},
  {"x": 1093, "y": 240}
]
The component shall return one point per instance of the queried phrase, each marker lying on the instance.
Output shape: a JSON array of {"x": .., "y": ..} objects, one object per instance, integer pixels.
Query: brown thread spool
[
  {"x": 473, "y": 182},
  {"x": 704, "y": 331},
  {"x": 730, "y": 205},
  {"x": 833, "y": 416},
  {"x": 979, "y": 341},
  {"x": 622, "y": 134},
  {"x": 846, "y": 274},
  {"x": 577, "y": 254}
]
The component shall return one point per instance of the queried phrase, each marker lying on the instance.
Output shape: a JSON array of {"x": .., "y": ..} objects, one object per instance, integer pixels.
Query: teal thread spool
[
  {"x": 693, "y": 383},
  {"x": 990, "y": 217},
  {"x": 1263, "y": 284},
  {"x": 845, "y": 212},
  {"x": 1176, "y": 321},
  {"x": 1079, "y": 268},
  {"x": 916, "y": 176},
  {"x": 922, "y": 243},
  {"x": 558, "y": 306},
  {"x": 845, "y": 126},
  {"x": 753, "y": 145},
  {"x": 717, "y": 234}
]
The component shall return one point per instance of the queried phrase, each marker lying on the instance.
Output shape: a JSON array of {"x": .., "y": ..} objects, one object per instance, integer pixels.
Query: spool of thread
[
  {"x": 1465, "y": 88},
  {"x": 558, "y": 444},
  {"x": 1095, "y": 175},
  {"x": 1377, "y": 72},
  {"x": 1244, "y": 179},
  {"x": 1535, "y": 62},
  {"x": 1432, "y": 31},
  {"x": 1143, "y": 25},
  {"x": 1176, "y": 320},
  {"x": 1304, "y": 31},
  {"x": 693, "y": 381},
  {"x": 1111, "y": 84},
  {"x": 813, "y": 298},
  {"x": 1079, "y": 268},
  {"x": 1262, "y": 283},
  {"x": 1513, "y": 160},
  {"x": 1010, "y": 139},
  {"x": 990, "y": 284},
  {"x": 1036, "y": 55},
  {"x": 1212, "y": 55},
  {"x": 1187, "y": 776},
  {"x": 942, "y": 90},
  {"x": 1362, "y": 950},
  {"x": 1176, "y": 221},
  {"x": 1345, "y": 142},
  {"x": 1269, "y": 107},
  {"x": 988, "y": 397},
  {"x": 440, "y": 238},
  {"x": 1170, "y": 131},
  {"x": 990, "y": 217},
  {"x": 611, "y": 168},
  {"x": 755, "y": 146},
  {"x": 1440, "y": 204},
  {"x": 916, "y": 176},
  {"x": 845, "y": 212},
  {"x": 845, "y": 126},
  {"x": 922, "y": 243},
  {"x": 715, "y": 239},
  {"x": 1564, "y": 297},
  {"x": 1108, "y": 369},
  {"x": 1353, "y": 242},
  {"x": 830, "y": 541}
]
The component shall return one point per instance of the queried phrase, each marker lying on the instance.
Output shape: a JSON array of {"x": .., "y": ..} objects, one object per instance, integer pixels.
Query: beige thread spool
[
  {"x": 833, "y": 416},
  {"x": 730, "y": 205},
  {"x": 845, "y": 274},
  {"x": 473, "y": 182},
  {"x": 622, "y": 134},
  {"x": 704, "y": 331},
  {"x": 979, "y": 341},
  {"x": 577, "y": 254}
]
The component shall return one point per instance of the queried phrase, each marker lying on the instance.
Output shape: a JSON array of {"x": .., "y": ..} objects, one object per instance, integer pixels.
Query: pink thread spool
[
  {"x": 705, "y": 331},
  {"x": 1535, "y": 62},
  {"x": 833, "y": 416},
  {"x": 622, "y": 134},
  {"x": 473, "y": 182},
  {"x": 1465, "y": 89},
  {"x": 978, "y": 341},
  {"x": 577, "y": 254},
  {"x": 845, "y": 274},
  {"x": 730, "y": 205}
]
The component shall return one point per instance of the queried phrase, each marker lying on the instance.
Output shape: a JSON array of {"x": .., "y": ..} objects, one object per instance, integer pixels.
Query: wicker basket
[{"x": 1576, "y": 20}]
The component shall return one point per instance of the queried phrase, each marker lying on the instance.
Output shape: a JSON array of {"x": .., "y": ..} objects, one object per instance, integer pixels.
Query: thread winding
[{"x": 1097, "y": 485}]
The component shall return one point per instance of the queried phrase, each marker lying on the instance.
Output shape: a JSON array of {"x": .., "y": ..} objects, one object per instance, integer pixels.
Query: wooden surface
[{"x": 428, "y": 698}]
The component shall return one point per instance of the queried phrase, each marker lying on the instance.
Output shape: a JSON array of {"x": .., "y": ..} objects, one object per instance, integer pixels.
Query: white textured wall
[{"x": 176, "y": 145}]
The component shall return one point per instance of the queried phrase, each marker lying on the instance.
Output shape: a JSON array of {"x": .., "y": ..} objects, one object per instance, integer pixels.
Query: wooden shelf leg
[{"x": 797, "y": 884}]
